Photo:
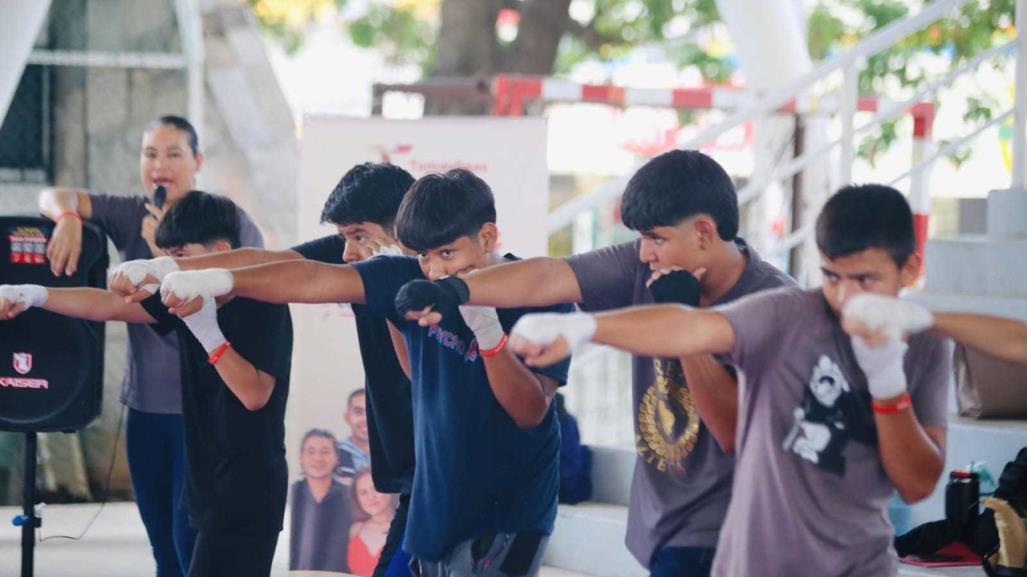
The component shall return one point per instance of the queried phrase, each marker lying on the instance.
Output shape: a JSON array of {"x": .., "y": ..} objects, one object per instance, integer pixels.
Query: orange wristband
[
  {"x": 903, "y": 403},
  {"x": 70, "y": 213},
  {"x": 217, "y": 353},
  {"x": 495, "y": 350}
]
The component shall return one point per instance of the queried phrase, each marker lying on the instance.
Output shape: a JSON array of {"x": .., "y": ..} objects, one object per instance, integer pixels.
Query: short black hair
[
  {"x": 199, "y": 218},
  {"x": 367, "y": 192},
  {"x": 356, "y": 393},
  {"x": 321, "y": 433},
  {"x": 677, "y": 185},
  {"x": 441, "y": 208},
  {"x": 865, "y": 216},
  {"x": 181, "y": 124}
]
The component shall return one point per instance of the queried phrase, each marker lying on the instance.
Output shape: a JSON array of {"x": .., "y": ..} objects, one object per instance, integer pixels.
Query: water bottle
[
  {"x": 962, "y": 497},
  {"x": 900, "y": 515}
]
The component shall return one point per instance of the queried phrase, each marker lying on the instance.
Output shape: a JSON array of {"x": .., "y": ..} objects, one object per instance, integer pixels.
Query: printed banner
[{"x": 340, "y": 526}]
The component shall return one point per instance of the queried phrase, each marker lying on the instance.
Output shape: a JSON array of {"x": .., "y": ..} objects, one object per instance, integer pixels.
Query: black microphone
[{"x": 160, "y": 194}]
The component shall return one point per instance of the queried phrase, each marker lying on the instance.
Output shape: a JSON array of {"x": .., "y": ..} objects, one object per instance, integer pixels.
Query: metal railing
[
  {"x": 820, "y": 92},
  {"x": 802, "y": 91}
]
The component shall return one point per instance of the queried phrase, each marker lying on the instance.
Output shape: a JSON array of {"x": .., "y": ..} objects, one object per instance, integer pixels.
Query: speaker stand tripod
[{"x": 28, "y": 521}]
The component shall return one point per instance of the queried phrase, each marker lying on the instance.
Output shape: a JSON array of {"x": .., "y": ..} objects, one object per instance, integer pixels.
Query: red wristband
[
  {"x": 216, "y": 354},
  {"x": 495, "y": 350},
  {"x": 69, "y": 212},
  {"x": 902, "y": 404}
]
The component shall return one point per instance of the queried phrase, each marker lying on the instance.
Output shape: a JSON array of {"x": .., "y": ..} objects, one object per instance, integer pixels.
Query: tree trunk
[
  {"x": 466, "y": 47},
  {"x": 543, "y": 23}
]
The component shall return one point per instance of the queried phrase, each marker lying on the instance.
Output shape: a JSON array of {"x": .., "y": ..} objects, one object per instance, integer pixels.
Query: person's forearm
[
  {"x": 252, "y": 388},
  {"x": 239, "y": 258},
  {"x": 715, "y": 393},
  {"x": 912, "y": 460},
  {"x": 995, "y": 336},
  {"x": 299, "y": 281},
  {"x": 93, "y": 305},
  {"x": 519, "y": 391},
  {"x": 535, "y": 282},
  {"x": 55, "y": 201},
  {"x": 664, "y": 331}
]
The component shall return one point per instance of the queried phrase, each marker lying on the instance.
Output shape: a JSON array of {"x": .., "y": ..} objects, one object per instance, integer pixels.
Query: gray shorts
[{"x": 497, "y": 555}]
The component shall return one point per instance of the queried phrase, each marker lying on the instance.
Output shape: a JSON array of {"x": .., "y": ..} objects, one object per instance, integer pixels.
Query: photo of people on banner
[{"x": 339, "y": 520}]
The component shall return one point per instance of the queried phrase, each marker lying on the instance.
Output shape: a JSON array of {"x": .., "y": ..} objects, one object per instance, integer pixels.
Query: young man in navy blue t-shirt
[{"x": 486, "y": 436}]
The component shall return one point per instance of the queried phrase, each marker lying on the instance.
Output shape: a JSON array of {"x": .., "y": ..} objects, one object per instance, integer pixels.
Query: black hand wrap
[
  {"x": 678, "y": 287},
  {"x": 416, "y": 295}
]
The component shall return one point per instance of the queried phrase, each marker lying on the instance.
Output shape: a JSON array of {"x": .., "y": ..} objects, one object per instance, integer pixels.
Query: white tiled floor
[{"x": 115, "y": 546}]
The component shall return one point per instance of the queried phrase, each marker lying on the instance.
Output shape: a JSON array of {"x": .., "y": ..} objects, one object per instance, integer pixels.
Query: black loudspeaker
[{"x": 51, "y": 366}]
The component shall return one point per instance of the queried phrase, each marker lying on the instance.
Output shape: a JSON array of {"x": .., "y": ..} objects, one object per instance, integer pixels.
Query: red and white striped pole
[{"x": 919, "y": 180}]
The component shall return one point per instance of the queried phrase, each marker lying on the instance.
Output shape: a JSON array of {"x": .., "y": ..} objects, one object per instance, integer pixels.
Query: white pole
[
  {"x": 1020, "y": 111},
  {"x": 850, "y": 100},
  {"x": 19, "y": 28},
  {"x": 190, "y": 27}
]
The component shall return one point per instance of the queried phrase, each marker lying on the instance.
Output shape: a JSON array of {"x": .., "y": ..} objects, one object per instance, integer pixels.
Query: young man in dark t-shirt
[
  {"x": 362, "y": 207},
  {"x": 486, "y": 436},
  {"x": 684, "y": 206},
  {"x": 830, "y": 426},
  {"x": 235, "y": 363}
]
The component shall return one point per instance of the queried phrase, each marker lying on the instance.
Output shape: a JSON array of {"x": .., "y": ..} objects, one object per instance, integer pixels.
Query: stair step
[
  {"x": 1015, "y": 308},
  {"x": 612, "y": 470},
  {"x": 977, "y": 265},
  {"x": 589, "y": 539},
  {"x": 1007, "y": 214}
]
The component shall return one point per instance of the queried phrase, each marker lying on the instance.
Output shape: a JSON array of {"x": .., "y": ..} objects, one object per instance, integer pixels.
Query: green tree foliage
[{"x": 406, "y": 31}]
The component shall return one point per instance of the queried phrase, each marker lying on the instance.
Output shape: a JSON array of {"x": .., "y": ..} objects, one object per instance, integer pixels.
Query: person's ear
[
  {"x": 221, "y": 246},
  {"x": 909, "y": 273},
  {"x": 706, "y": 232},
  {"x": 488, "y": 236},
  {"x": 199, "y": 160}
]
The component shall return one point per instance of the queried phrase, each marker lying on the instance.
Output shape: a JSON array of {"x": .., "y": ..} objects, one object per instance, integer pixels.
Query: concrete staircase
[
  {"x": 589, "y": 537},
  {"x": 983, "y": 273}
]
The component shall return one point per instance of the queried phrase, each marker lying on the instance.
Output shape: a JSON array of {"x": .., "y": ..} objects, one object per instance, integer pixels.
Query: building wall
[{"x": 98, "y": 116}]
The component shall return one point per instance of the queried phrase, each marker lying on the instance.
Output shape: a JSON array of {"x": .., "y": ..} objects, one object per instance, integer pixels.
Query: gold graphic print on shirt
[{"x": 668, "y": 423}]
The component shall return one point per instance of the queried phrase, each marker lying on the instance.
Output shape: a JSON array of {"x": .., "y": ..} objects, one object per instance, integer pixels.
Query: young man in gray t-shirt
[
  {"x": 685, "y": 207},
  {"x": 829, "y": 425}
]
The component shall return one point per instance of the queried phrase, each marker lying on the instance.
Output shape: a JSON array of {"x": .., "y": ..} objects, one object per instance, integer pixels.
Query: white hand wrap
[
  {"x": 883, "y": 366},
  {"x": 484, "y": 323},
  {"x": 30, "y": 295},
  {"x": 136, "y": 271},
  {"x": 891, "y": 316},
  {"x": 544, "y": 328},
  {"x": 188, "y": 285},
  {"x": 387, "y": 250},
  {"x": 204, "y": 326}
]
